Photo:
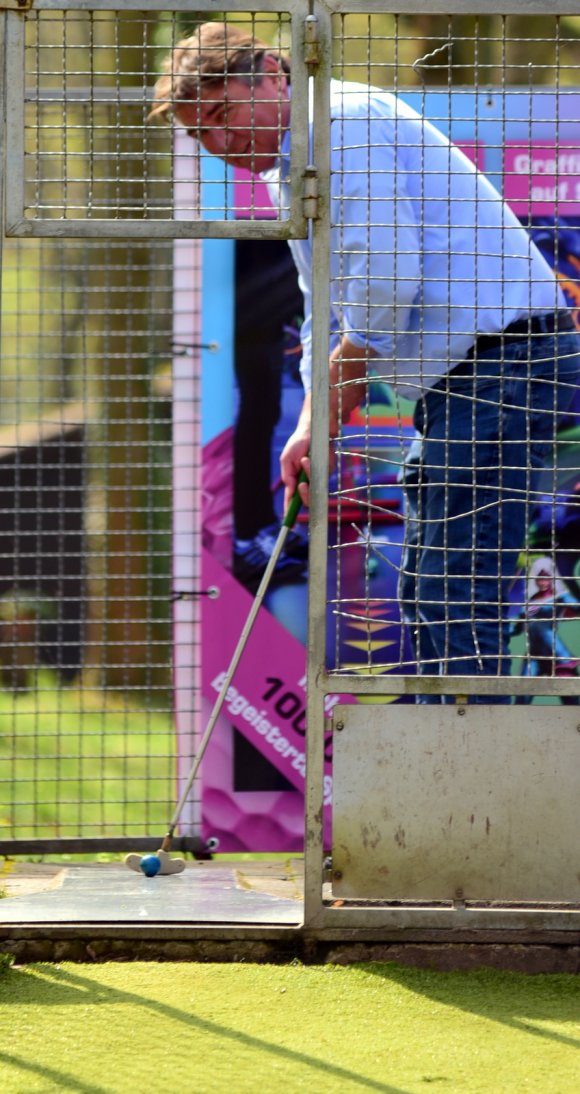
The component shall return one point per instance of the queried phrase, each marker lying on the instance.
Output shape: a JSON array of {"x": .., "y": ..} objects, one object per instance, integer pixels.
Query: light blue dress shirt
[{"x": 425, "y": 254}]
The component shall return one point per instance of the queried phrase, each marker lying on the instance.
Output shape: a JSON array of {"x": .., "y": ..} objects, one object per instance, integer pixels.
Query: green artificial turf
[{"x": 171, "y": 1028}]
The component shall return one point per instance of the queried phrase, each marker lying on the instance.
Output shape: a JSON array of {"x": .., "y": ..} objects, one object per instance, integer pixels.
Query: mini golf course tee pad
[{"x": 145, "y": 864}]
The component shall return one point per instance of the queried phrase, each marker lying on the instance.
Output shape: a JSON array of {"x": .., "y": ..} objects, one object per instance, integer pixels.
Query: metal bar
[
  {"x": 362, "y": 684},
  {"x": 434, "y": 7},
  {"x": 80, "y": 95},
  {"x": 169, "y": 6},
  {"x": 14, "y": 100},
  {"x": 151, "y": 229},
  {"x": 454, "y": 7},
  {"x": 89, "y": 846},
  {"x": 466, "y": 918},
  {"x": 314, "y": 849}
]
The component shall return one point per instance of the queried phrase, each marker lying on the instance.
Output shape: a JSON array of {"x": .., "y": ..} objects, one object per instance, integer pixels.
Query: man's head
[{"x": 230, "y": 91}]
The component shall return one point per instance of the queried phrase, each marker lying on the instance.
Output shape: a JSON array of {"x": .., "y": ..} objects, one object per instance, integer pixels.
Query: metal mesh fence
[
  {"x": 87, "y": 743},
  {"x": 89, "y": 330},
  {"x": 99, "y": 445},
  {"x": 455, "y": 487},
  {"x": 88, "y": 149}
]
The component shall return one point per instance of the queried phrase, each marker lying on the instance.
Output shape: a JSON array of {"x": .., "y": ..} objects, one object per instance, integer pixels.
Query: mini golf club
[{"x": 161, "y": 862}]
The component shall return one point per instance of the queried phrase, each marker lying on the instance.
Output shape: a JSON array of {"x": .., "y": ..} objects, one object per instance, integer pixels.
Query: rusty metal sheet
[{"x": 451, "y": 803}]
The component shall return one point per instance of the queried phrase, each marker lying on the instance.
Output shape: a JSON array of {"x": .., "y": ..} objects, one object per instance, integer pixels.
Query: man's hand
[
  {"x": 294, "y": 458},
  {"x": 347, "y": 366}
]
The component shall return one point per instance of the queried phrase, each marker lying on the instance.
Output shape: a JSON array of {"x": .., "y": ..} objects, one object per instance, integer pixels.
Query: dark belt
[{"x": 551, "y": 323}]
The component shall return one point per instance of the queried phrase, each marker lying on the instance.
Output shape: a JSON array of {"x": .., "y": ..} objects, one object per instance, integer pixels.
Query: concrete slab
[
  {"x": 22, "y": 878},
  {"x": 205, "y": 893},
  {"x": 233, "y": 911}
]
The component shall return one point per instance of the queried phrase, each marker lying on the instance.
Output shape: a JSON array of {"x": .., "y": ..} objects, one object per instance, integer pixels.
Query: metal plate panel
[{"x": 456, "y": 802}]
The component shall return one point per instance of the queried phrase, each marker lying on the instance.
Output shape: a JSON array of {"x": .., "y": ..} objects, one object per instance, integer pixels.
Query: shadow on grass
[
  {"x": 61, "y": 1079},
  {"x": 514, "y": 999},
  {"x": 65, "y": 988}
]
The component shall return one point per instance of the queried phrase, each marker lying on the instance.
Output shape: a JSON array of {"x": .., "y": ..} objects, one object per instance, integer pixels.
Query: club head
[{"x": 168, "y": 865}]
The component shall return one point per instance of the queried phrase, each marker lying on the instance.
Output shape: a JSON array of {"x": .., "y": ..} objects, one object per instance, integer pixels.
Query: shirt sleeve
[
  {"x": 302, "y": 263},
  {"x": 306, "y": 338},
  {"x": 375, "y": 236}
]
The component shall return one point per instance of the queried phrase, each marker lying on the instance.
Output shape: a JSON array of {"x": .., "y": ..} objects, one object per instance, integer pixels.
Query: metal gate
[
  {"x": 93, "y": 348},
  {"x": 83, "y": 162},
  {"x": 446, "y": 814}
]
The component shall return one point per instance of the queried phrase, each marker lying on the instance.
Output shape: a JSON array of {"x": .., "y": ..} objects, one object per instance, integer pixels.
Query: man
[{"x": 435, "y": 281}]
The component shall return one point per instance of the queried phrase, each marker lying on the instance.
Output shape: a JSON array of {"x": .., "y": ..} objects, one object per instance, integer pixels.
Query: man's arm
[
  {"x": 294, "y": 457},
  {"x": 348, "y": 373},
  {"x": 347, "y": 376}
]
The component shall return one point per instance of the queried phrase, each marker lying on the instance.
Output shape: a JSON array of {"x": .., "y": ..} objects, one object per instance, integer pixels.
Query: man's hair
[{"x": 214, "y": 52}]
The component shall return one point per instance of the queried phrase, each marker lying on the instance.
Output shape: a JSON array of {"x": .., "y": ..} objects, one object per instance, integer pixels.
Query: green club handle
[{"x": 295, "y": 505}]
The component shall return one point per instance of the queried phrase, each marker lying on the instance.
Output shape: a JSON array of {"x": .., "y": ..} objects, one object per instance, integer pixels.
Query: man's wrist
[{"x": 303, "y": 424}]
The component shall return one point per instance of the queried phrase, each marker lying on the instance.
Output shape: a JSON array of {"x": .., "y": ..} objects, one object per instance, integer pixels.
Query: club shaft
[{"x": 257, "y": 602}]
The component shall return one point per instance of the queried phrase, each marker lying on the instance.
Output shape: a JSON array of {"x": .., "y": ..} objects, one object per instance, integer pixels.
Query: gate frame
[
  {"x": 295, "y": 226},
  {"x": 14, "y": 223},
  {"x": 323, "y": 918},
  {"x": 320, "y": 920}
]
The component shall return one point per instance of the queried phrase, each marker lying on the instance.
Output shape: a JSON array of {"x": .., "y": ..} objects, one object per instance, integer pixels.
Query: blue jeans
[{"x": 486, "y": 438}]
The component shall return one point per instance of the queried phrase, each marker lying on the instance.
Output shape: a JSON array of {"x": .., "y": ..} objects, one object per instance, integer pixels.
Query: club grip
[{"x": 295, "y": 504}]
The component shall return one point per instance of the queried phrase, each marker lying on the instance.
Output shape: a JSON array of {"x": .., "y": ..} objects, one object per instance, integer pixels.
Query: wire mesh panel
[
  {"x": 454, "y": 348},
  {"x": 90, "y": 332},
  {"x": 88, "y": 91},
  {"x": 87, "y": 743},
  {"x": 449, "y": 572},
  {"x": 447, "y": 153}
]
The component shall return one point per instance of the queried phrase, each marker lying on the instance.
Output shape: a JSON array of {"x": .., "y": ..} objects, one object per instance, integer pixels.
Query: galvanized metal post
[{"x": 314, "y": 849}]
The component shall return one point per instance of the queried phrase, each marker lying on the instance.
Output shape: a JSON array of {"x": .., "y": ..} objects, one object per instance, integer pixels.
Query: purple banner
[
  {"x": 266, "y": 701},
  {"x": 542, "y": 178}
]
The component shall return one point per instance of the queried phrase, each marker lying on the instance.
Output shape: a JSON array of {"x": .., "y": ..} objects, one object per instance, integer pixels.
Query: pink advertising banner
[
  {"x": 542, "y": 178},
  {"x": 266, "y": 701},
  {"x": 251, "y": 198}
]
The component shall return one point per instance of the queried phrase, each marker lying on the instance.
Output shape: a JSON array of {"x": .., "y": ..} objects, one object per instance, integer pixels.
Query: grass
[
  {"x": 73, "y": 762},
  {"x": 158, "y": 1029}
]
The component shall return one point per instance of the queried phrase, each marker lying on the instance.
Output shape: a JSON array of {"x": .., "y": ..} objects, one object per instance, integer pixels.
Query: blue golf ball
[{"x": 150, "y": 865}]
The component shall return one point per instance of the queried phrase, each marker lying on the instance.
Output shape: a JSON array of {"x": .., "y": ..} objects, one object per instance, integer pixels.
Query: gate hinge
[
  {"x": 311, "y": 42},
  {"x": 16, "y": 5},
  {"x": 310, "y": 192}
]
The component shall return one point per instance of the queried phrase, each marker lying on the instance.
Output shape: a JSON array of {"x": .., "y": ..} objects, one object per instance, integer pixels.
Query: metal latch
[
  {"x": 311, "y": 42},
  {"x": 310, "y": 192}
]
